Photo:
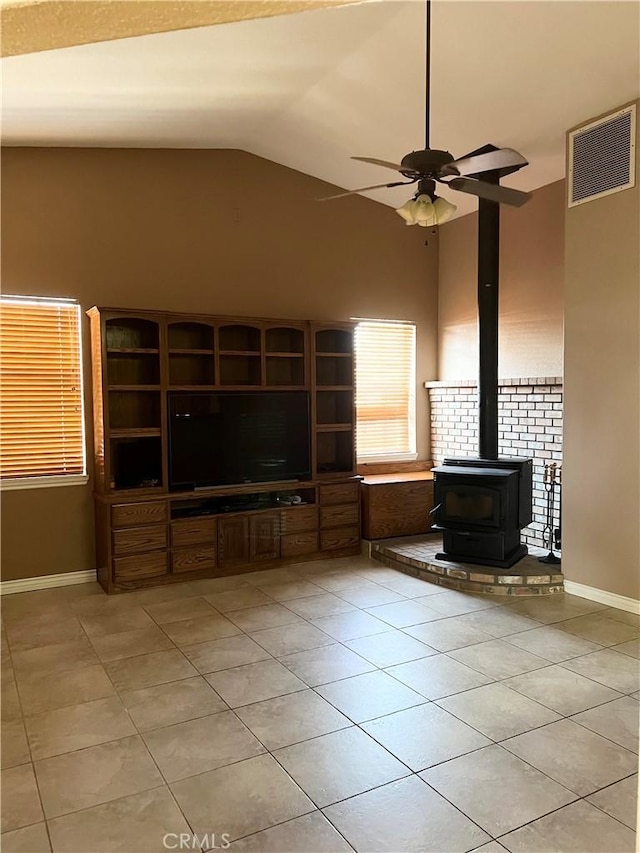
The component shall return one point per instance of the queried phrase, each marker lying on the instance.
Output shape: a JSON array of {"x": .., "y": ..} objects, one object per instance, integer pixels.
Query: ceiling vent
[{"x": 602, "y": 157}]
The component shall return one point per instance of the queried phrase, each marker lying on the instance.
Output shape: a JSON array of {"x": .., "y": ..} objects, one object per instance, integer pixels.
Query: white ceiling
[{"x": 311, "y": 89}]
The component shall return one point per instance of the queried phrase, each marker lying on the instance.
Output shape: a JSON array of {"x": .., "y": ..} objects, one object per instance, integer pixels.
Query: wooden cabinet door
[
  {"x": 233, "y": 541},
  {"x": 264, "y": 536}
]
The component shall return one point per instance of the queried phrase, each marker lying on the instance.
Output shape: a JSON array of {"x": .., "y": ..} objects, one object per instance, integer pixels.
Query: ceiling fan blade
[
  {"x": 503, "y": 158},
  {"x": 491, "y": 192},
  {"x": 387, "y": 165},
  {"x": 365, "y": 189}
]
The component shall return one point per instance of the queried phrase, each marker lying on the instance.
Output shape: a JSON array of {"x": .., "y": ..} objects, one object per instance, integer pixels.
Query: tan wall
[
  {"x": 203, "y": 231},
  {"x": 531, "y": 284},
  {"x": 602, "y": 383}
]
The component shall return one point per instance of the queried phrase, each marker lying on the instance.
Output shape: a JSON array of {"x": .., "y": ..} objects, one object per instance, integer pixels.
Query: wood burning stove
[{"x": 481, "y": 504}]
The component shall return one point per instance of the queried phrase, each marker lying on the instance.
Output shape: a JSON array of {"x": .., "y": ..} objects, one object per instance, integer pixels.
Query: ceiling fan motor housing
[{"x": 424, "y": 163}]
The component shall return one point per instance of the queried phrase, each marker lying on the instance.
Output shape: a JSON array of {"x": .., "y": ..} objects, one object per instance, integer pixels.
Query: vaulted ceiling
[{"x": 308, "y": 90}]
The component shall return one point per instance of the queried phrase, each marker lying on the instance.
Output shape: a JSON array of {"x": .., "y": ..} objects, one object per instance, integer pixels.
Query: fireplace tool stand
[{"x": 552, "y": 480}]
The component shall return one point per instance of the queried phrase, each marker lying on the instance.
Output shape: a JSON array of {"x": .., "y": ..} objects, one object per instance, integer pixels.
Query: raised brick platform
[{"x": 416, "y": 556}]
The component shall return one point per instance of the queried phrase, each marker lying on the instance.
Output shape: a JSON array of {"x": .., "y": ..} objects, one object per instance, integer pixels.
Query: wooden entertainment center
[{"x": 148, "y": 535}]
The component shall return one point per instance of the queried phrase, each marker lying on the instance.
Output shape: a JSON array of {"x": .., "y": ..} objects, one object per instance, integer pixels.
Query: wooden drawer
[
  {"x": 298, "y": 543},
  {"x": 334, "y": 516},
  {"x": 135, "y": 540},
  {"x": 133, "y": 515},
  {"x": 339, "y": 537},
  {"x": 299, "y": 519},
  {"x": 340, "y": 493},
  {"x": 192, "y": 559},
  {"x": 140, "y": 566},
  {"x": 194, "y": 531}
]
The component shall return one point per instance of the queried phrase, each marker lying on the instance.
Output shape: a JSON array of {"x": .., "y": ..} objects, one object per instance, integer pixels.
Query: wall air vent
[{"x": 602, "y": 157}]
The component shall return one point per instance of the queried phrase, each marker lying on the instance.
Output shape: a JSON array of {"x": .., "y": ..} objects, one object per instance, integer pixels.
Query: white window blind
[
  {"x": 41, "y": 423},
  {"x": 385, "y": 390}
]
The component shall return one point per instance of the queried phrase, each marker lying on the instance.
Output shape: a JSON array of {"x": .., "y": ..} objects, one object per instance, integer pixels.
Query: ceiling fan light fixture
[{"x": 424, "y": 211}]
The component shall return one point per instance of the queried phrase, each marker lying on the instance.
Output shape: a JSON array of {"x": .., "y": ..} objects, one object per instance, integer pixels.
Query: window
[
  {"x": 41, "y": 418},
  {"x": 385, "y": 390}
]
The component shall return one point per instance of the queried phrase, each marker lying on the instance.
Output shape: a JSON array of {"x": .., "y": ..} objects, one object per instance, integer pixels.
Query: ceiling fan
[{"x": 431, "y": 166}]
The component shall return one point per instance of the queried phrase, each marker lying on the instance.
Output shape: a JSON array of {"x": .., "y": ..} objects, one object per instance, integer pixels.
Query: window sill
[
  {"x": 20, "y": 483},
  {"x": 394, "y": 457}
]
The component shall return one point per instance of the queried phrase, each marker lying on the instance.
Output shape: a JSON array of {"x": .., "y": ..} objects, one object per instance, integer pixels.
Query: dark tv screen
[{"x": 232, "y": 437}]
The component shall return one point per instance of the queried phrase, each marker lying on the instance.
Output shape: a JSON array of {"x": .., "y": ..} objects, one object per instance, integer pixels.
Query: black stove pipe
[{"x": 488, "y": 276}]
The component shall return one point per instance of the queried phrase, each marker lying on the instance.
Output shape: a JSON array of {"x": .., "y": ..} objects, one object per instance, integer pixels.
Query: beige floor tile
[
  {"x": 77, "y": 727},
  {"x": 270, "y": 577},
  {"x": 617, "y": 720},
  {"x": 130, "y": 643},
  {"x": 241, "y": 799},
  {"x": 30, "y": 839},
  {"x": 424, "y": 736},
  {"x": 106, "y": 604},
  {"x": 160, "y": 594},
  {"x": 225, "y": 653},
  {"x": 328, "y": 663},
  {"x": 402, "y": 614},
  {"x": 288, "y": 639},
  {"x": 578, "y": 828},
  {"x": 291, "y": 590},
  {"x": 438, "y": 676},
  {"x": 20, "y": 799},
  {"x": 362, "y": 763},
  {"x": 166, "y": 612},
  {"x": 264, "y": 616},
  {"x": 410, "y": 587},
  {"x": 377, "y": 573},
  {"x": 491, "y": 847},
  {"x": 631, "y": 648},
  {"x": 351, "y": 626},
  {"x": 200, "y": 629},
  {"x": 497, "y": 711},
  {"x": 621, "y": 616},
  {"x": 577, "y": 758},
  {"x": 137, "y": 823},
  {"x": 311, "y": 833},
  {"x": 147, "y": 670},
  {"x": 498, "y": 621},
  {"x": 335, "y": 581},
  {"x": 254, "y": 682},
  {"x": 619, "y": 800},
  {"x": 238, "y": 599},
  {"x": 599, "y": 629},
  {"x": 48, "y": 691},
  {"x": 56, "y": 658},
  {"x": 552, "y": 609},
  {"x": 167, "y": 704},
  {"x": 368, "y": 696},
  {"x": 370, "y": 595},
  {"x": 405, "y": 815},
  {"x": 552, "y": 644},
  {"x": 452, "y": 603},
  {"x": 314, "y": 606},
  {"x": 14, "y": 749},
  {"x": 10, "y": 708},
  {"x": 126, "y": 619},
  {"x": 620, "y": 672},
  {"x": 391, "y": 647},
  {"x": 498, "y": 659},
  {"x": 200, "y": 745},
  {"x": 89, "y": 777},
  {"x": 562, "y": 690},
  {"x": 479, "y": 782},
  {"x": 211, "y": 586},
  {"x": 36, "y": 631},
  {"x": 448, "y": 634},
  {"x": 290, "y": 719}
]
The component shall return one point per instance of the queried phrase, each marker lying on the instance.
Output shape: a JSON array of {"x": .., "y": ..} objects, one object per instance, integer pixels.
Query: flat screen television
[{"x": 224, "y": 438}]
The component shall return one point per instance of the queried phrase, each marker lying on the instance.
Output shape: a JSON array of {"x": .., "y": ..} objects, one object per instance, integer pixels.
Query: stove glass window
[{"x": 471, "y": 506}]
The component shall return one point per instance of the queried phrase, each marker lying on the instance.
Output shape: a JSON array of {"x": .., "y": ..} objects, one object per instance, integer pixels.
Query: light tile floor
[{"x": 330, "y": 706}]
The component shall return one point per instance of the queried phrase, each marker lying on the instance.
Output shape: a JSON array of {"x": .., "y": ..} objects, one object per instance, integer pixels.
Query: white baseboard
[
  {"x": 46, "y": 582},
  {"x": 611, "y": 599}
]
